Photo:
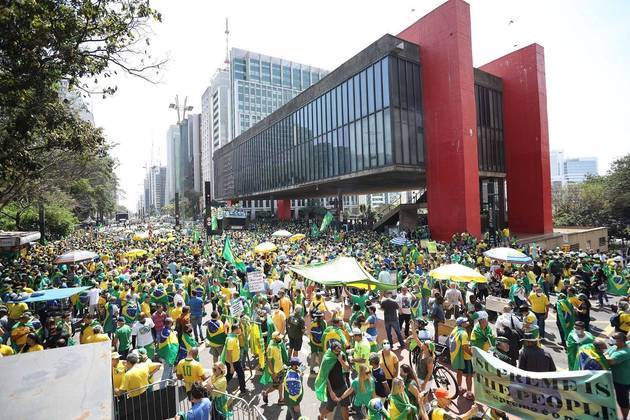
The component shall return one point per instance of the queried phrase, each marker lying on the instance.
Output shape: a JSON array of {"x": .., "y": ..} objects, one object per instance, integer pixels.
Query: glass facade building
[
  {"x": 371, "y": 119},
  {"x": 261, "y": 84}
]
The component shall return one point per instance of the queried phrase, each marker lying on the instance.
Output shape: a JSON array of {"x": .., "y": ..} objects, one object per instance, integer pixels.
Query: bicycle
[{"x": 442, "y": 376}]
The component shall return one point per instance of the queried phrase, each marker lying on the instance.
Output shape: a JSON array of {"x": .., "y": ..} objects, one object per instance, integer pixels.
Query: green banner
[
  {"x": 432, "y": 247},
  {"x": 229, "y": 256},
  {"x": 314, "y": 230},
  {"x": 568, "y": 395}
]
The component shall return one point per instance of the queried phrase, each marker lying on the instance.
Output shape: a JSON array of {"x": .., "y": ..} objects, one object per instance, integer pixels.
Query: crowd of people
[{"x": 161, "y": 307}]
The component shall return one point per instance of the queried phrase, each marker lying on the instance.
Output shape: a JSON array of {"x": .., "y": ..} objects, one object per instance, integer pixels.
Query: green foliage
[
  {"x": 50, "y": 51},
  {"x": 60, "y": 221},
  {"x": 598, "y": 201}
]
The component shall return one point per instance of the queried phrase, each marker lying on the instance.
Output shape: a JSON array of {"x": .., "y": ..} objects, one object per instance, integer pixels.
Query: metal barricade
[
  {"x": 241, "y": 409},
  {"x": 157, "y": 401}
]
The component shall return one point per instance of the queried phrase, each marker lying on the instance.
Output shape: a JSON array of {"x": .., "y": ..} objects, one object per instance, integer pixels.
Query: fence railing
[{"x": 165, "y": 399}]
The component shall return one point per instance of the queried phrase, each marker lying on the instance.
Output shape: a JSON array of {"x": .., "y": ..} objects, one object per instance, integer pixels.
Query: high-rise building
[
  {"x": 556, "y": 161},
  {"x": 573, "y": 170},
  {"x": 578, "y": 169},
  {"x": 215, "y": 120},
  {"x": 183, "y": 155},
  {"x": 254, "y": 86},
  {"x": 154, "y": 192}
]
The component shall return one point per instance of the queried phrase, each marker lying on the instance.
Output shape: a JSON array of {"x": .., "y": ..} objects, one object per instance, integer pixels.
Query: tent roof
[
  {"x": 54, "y": 294},
  {"x": 342, "y": 271}
]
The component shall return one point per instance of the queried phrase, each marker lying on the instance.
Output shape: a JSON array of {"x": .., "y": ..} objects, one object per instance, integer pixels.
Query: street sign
[{"x": 255, "y": 281}]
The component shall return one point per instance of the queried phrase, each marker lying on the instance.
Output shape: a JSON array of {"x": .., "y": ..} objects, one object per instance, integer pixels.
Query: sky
[{"x": 587, "y": 57}]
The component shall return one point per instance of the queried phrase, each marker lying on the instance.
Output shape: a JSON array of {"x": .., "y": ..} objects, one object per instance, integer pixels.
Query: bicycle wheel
[{"x": 444, "y": 378}]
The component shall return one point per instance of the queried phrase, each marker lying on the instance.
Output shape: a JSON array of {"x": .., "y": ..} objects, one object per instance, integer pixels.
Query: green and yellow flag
[
  {"x": 229, "y": 256},
  {"x": 617, "y": 285},
  {"x": 168, "y": 346},
  {"x": 314, "y": 230}
]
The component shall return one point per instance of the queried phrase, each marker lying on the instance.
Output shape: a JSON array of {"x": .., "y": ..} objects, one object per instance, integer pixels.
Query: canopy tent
[
  {"x": 457, "y": 272},
  {"x": 510, "y": 255},
  {"x": 342, "y": 271},
  {"x": 54, "y": 294},
  {"x": 75, "y": 257}
]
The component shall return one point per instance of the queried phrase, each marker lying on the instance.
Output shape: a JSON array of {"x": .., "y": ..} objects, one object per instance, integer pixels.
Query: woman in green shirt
[{"x": 363, "y": 389}]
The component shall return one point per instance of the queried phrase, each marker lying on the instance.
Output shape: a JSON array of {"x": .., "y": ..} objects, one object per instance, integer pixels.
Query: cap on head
[
  {"x": 356, "y": 331},
  {"x": 482, "y": 315},
  {"x": 461, "y": 321}
]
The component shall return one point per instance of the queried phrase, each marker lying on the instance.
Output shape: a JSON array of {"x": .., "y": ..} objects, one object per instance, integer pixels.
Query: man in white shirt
[
  {"x": 453, "y": 301},
  {"x": 141, "y": 330},
  {"x": 276, "y": 286},
  {"x": 93, "y": 295},
  {"x": 404, "y": 309},
  {"x": 383, "y": 276},
  {"x": 178, "y": 297}
]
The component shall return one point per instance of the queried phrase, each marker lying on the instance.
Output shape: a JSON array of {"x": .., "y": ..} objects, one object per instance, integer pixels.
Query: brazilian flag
[
  {"x": 328, "y": 218},
  {"x": 617, "y": 285},
  {"x": 314, "y": 230},
  {"x": 229, "y": 256},
  {"x": 328, "y": 362},
  {"x": 168, "y": 346}
]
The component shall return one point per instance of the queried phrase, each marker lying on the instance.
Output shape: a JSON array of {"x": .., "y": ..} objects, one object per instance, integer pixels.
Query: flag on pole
[
  {"x": 314, "y": 230},
  {"x": 195, "y": 236},
  {"x": 214, "y": 222},
  {"x": 229, "y": 256},
  {"x": 328, "y": 218}
]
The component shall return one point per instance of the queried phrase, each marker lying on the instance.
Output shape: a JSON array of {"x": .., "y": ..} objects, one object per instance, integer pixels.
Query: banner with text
[{"x": 533, "y": 395}]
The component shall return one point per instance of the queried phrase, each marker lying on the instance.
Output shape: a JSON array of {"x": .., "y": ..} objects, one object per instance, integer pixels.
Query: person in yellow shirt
[
  {"x": 508, "y": 281},
  {"x": 32, "y": 343},
  {"x": 118, "y": 370},
  {"x": 176, "y": 312},
  {"x": 16, "y": 310},
  {"x": 285, "y": 303},
  {"x": 145, "y": 307},
  {"x": 540, "y": 307},
  {"x": 277, "y": 357},
  {"x": 98, "y": 336},
  {"x": 5, "y": 350},
  {"x": 136, "y": 380},
  {"x": 190, "y": 370},
  {"x": 217, "y": 384},
  {"x": 232, "y": 356},
  {"x": 389, "y": 363},
  {"x": 278, "y": 318}
]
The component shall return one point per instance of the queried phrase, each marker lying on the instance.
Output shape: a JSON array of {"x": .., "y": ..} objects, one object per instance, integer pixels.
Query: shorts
[
  {"x": 215, "y": 351},
  {"x": 330, "y": 404},
  {"x": 468, "y": 368},
  {"x": 295, "y": 343},
  {"x": 623, "y": 397}
]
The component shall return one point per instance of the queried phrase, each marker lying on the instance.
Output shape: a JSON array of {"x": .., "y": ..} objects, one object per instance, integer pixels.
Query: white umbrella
[
  {"x": 508, "y": 254},
  {"x": 281, "y": 234},
  {"x": 75, "y": 257}
]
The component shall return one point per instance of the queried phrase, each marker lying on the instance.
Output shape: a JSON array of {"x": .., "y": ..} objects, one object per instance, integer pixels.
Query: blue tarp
[{"x": 54, "y": 294}]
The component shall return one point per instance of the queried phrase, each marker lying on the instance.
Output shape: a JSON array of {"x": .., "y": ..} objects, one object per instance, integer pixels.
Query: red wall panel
[
  {"x": 284, "y": 209},
  {"x": 449, "y": 118},
  {"x": 526, "y": 138}
]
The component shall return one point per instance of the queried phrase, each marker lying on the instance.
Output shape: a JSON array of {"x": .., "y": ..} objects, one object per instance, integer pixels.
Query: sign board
[
  {"x": 432, "y": 247},
  {"x": 255, "y": 281},
  {"x": 496, "y": 304},
  {"x": 63, "y": 383},
  {"x": 424, "y": 243},
  {"x": 567, "y": 395},
  {"x": 393, "y": 277},
  {"x": 236, "y": 308}
]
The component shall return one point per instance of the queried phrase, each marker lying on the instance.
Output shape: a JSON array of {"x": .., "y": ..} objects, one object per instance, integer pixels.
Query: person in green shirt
[
  {"x": 618, "y": 357},
  {"x": 122, "y": 337},
  {"x": 482, "y": 335},
  {"x": 360, "y": 300},
  {"x": 363, "y": 389},
  {"x": 576, "y": 338}
]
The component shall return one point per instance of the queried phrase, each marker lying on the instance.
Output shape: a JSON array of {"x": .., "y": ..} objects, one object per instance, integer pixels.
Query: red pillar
[
  {"x": 450, "y": 129},
  {"x": 526, "y": 136},
  {"x": 284, "y": 209}
]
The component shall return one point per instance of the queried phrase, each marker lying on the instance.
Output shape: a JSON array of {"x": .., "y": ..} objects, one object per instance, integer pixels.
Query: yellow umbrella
[
  {"x": 170, "y": 239},
  {"x": 297, "y": 237},
  {"x": 457, "y": 272},
  {"x": 135, "y": 253},
  {"x": 265, "y": 248}
]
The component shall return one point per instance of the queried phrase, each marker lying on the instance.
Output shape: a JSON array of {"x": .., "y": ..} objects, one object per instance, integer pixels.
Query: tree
[{"x": 50, "y": 50}]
